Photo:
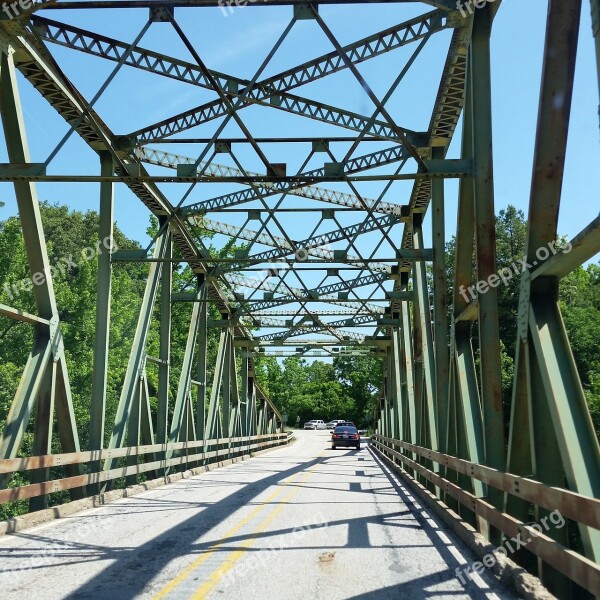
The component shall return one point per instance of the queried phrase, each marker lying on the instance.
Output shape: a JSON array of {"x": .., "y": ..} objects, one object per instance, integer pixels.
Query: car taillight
[
  {"x": 355, "y": 436},
  {"x": 336, "y": 437}
]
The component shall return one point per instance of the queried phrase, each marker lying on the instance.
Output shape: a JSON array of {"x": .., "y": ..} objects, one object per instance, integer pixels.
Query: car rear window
[{"x": 345, "y": 429}]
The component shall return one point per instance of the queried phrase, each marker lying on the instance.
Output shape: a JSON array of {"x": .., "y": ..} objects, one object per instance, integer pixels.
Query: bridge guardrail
[
  {"x": 235, "y": 447},
  {"x": 581, "y": 509}
]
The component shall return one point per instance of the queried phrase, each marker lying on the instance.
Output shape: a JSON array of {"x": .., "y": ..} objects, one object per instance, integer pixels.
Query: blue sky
[{"x": 238, "y": 44}]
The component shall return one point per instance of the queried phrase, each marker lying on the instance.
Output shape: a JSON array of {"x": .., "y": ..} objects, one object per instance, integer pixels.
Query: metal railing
[
  {"x": 583, "y": 510},
  {"x": 210, "y": 451}
]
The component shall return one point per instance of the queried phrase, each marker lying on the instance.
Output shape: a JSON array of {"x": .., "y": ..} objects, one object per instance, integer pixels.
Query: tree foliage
[
  {"x": 579, "y": 299},
  {"x": 344, "y": 389}
]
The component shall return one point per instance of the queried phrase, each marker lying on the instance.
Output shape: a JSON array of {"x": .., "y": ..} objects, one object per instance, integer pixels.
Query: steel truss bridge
[{"x": 323, "y": 265}]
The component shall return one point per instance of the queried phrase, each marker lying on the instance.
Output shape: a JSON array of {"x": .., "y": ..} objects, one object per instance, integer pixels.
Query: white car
[
  {"x": 315, "y": 424},
  {"x": 332, "y": 424}
]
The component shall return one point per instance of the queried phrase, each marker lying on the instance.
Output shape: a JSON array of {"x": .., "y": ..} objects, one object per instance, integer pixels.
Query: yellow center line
[
  {"x": 233, "y": 557},
  {"x": 183, "y": 575}
]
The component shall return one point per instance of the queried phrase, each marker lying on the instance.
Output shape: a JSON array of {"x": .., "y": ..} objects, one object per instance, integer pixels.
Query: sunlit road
[{"x": 299, "y": 522}]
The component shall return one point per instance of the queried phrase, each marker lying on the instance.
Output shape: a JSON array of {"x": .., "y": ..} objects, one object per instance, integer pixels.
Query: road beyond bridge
[{"x": 312, "y": 522}]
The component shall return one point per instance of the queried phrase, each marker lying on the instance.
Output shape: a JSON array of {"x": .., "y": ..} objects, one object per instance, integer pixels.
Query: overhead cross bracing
[{"x": 319, "y": 246}]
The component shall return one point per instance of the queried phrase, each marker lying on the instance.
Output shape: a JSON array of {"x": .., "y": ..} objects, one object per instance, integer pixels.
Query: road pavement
[{"x": 302, "y": 521}]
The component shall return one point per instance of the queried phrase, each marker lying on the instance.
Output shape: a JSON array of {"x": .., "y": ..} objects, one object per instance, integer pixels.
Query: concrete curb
[
  {"x": 24, "y": 522},
  {"x": 508, "y": 572}
]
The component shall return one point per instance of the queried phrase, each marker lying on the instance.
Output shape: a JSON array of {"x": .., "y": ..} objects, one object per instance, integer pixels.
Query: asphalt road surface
[{"x": 302, "y": 521}]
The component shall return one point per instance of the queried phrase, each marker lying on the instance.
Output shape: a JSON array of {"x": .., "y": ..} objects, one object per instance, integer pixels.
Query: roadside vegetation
[{"x": 345, "y": 388}]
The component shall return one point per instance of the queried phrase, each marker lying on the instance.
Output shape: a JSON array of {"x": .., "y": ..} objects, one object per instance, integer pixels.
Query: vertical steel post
[
  {"x": 100, "y": 369},
  {"x": 212, "y": 419},
  {"x": 201, "y": 365},
  {"x": 423, "y": 323},
  {"x": 179, "y": 428},
  {"x": 133, "y": 427},
  {"x": 412, "y": 422},
  {"x": 235, "y": 425},
  {"x": 45, "y": 380},
  {"x": 467, "y": 431},
  {"x": 245, "y": 400},
  {"x": 440, "y": 304},
  {"x": 137, "y": 356},
  {"x": 227, "y": 377},
  {"x": 252, "y": 416},
  {"x": 595, "y": 5},
  {"x": 164, "y": 366},
  {"x": 560, "y": 423},
  {"x": 485, "y": 233},
  {"x": 397, "y": 384}
]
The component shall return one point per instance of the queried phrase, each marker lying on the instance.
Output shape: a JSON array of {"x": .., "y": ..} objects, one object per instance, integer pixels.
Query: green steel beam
[
  {"x": 201, "y": 387},
  {"x": 213, "y": 424},
  {"x": 425, "y": 350},
  {"x": 485, "y": 234},
  {"x": 103, "y": 297},
  {"x": 408, "y": 388},
  {"x": 550, "y": 397},
  {"x": 137, "y": 356},
  {"x": 595, "y": 5},
  {"x": 166, "y": 159},
  {"x": 23, "y": 173},
  {"x": 145, "y": 4},
  {"x": 275, "y": 86},
  {"x": 379, "y": 158},
  {"x": 177, "y": 429},
  {"x": 440, "y": 305},
  {"x": 465, "y": 428},
  {"x": 45, "y": 381},
  {"x": 164, "y": 366}
]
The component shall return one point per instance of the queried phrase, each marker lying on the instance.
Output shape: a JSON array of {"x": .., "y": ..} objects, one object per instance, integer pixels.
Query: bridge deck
[{"x": 230, "y": 532}]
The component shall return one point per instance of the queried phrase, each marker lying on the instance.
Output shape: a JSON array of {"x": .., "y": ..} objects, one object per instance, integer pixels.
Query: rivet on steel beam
[
  {"x": 186, "y": 170},
  {"x": 320, "y": 146},
  {"x": 334, "y": 169},
  {"x": 277, "y": 170},
  {"x": 161, "y": 14},
  {"x": 304, "y": 11},
  {"x": 222, "y": 147}
]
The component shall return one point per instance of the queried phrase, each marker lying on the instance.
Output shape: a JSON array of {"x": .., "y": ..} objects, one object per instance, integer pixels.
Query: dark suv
[{"x": 345, "y": 435}]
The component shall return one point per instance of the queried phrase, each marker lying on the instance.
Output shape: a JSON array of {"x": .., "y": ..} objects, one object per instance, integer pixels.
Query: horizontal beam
[
  {"x": 584, "y": 246},
  {"x": 23, "y": 176},
  {"x": 111, "y": 4},
  {"x": 382, "y": 342},
  {"x": 170, "y": 160},
  {"x": 295, "y": 313},
  {"x": 335, "y": 139},
  {"x": 19, "y": 315}
]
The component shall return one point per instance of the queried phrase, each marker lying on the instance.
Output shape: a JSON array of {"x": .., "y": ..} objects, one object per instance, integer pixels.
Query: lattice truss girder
[
  {"x": 273, "y": 91},
  {"x": 356, "y": 251}
]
